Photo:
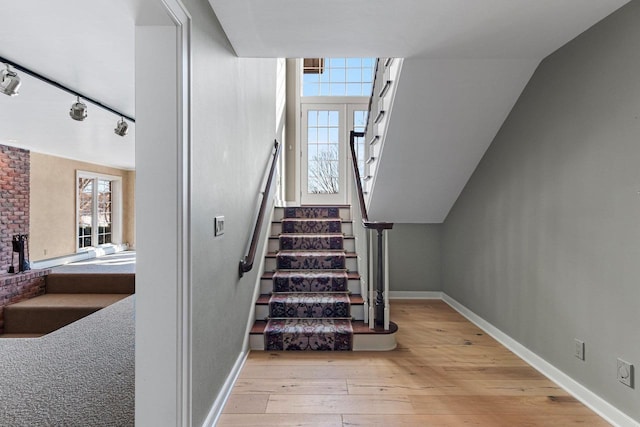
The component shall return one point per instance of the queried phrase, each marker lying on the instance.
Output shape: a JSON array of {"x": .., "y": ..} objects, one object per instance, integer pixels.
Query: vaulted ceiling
[{"x": 467, "y": 61}]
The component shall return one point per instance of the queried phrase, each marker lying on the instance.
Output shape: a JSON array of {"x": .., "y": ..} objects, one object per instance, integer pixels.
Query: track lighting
[
  {"x": 122, "y": 127},
  {"x": 78, "y": 110},
  {"x": 9, "y": 82}
]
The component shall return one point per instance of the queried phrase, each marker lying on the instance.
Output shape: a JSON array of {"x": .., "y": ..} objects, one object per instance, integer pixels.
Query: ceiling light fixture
[
  {"x": 9, "y": 82},
  {"x": 78, "y": 110},
  {"x": 122, "y": 127}
]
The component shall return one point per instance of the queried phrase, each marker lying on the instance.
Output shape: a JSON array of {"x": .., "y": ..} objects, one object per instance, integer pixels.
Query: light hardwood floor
[{"x": 445, "y": 372}]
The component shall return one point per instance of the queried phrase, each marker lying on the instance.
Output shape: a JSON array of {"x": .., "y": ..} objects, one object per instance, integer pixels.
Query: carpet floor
[{"x": 80, "y": 375}]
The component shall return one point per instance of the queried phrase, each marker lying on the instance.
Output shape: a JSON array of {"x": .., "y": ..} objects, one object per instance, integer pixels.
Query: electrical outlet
[
  {"x": 218, "y": 226},
  {"x": 579, "y": 352},
  {"x": 625, "y": 373}
]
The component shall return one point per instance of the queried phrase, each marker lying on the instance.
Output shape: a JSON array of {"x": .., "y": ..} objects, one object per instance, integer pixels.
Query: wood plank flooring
[{"x": 445, "y": 372}]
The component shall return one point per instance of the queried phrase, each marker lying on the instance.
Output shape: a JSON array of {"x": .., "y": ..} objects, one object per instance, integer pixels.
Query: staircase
[
  {"x": 67, "y": 298},
  {"x": 311, "y": 289}
]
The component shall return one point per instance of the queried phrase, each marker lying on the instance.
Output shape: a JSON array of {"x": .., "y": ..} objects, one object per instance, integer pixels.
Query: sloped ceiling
[{"x": 467, "y": 61}]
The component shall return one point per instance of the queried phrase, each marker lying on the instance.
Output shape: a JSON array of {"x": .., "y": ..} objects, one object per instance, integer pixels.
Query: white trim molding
[
  {"x": 163, "y": 132},
  {"x": 603, "y": 408},
  {"x": 225, "y": 392}
]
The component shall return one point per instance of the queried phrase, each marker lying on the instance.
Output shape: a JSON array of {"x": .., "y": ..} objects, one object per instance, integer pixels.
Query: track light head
[
  {"x": 9, "y": 82},
  {"x": 122, "y": 127},
  {"x": 78, "y": 110}
]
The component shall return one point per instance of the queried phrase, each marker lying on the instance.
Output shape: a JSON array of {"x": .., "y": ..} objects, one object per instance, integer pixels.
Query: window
[
  {"x": 337, "y": 76},
  {"x": 98, "y": 212}
]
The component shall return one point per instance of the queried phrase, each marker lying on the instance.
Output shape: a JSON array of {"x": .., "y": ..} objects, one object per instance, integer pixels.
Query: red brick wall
[{"x": 14, "y": 200}]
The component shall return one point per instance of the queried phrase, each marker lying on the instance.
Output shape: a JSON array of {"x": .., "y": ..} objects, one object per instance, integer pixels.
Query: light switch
[{"x": 218, "y": 225}]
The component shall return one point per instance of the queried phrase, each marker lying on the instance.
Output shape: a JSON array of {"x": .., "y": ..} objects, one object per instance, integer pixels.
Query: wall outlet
[
  {"x": 218, "y": 225},
  {"x": 625, "y": 373},
  {"x": 579, "y": 352}
]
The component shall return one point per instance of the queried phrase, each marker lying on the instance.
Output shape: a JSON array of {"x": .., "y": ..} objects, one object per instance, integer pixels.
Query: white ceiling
[
  {"x": 87, "y": 46},
  {"x": 467, "y": 63}
]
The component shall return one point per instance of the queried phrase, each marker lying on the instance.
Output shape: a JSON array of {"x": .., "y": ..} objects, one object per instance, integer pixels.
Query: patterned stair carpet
[
  {"x": 310, "y": 308},
  {"x": 310, "y": 281}
]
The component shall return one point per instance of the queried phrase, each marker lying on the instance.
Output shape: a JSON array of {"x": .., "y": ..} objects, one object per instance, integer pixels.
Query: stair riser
[
  {"x": 347, "y": 228},
  {"x": 345, "y": 214},
  {"x": 266, "y": 286},
  {"x": 42, "y": 321},
  {"x": 90, "y": 283},
  {"x": 349, "y": 245},
  {"x": 270, "y": 264},
  {"x": 262, "y": 312}
]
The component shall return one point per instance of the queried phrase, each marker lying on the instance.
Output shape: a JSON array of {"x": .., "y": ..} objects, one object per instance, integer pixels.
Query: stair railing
[
  {"x": 378, "y": 297},
  {"x": 246, "y": 263}
]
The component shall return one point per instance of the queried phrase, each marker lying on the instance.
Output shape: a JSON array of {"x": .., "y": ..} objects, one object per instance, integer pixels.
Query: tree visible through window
[{"x": 95, "y": 204}]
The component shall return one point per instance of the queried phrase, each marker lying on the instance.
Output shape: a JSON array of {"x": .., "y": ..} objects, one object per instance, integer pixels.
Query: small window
[
  {"x": 313, "y": 66},
  {"x": 337, "y": 76}
]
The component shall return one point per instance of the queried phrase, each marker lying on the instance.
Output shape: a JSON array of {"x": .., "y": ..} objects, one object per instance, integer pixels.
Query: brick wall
[{"x": 14, "y": 200}]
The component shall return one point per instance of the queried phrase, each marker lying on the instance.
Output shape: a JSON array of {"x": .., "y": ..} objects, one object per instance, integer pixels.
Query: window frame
[{"x": 116, "y": 209}]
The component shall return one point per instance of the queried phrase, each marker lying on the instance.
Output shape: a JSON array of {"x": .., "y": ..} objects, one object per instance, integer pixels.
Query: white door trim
[
  {"x": 342, "y": 195},
  {"x": 163, "y": 392}
]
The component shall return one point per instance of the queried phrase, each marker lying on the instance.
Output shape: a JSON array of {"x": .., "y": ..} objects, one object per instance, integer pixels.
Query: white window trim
[
  {"x": 300, "y": 101},
  {"x": 116, "y": 209}
]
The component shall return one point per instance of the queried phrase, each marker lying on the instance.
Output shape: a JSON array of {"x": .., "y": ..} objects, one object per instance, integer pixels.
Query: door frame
[{"x": 346, "y": 105}]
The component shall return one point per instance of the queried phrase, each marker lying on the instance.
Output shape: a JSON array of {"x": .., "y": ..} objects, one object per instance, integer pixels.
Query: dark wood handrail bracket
[{"x": 246, "y": 264}]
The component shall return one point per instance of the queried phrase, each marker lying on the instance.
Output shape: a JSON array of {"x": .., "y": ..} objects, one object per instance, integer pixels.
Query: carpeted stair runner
[
  {"x": 309, "y": 305},
  {"x": 310, "y": 308},
  {"x": 309, "y": 334},
  {"x": 310, "y": 281}
]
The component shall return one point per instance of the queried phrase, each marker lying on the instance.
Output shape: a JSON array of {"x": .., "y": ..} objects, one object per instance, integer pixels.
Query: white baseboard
[
  {"x": 415, "y": 295},
  {"x": 603, "y": 408},
  {"x": 80, "y": 256},
  {"x": 223, "y": 395}
]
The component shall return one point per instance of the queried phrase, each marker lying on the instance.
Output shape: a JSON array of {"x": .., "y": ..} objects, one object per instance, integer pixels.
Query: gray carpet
[
  {"x": 80, "y": 375},
  {"x": 121, "y": 262}
]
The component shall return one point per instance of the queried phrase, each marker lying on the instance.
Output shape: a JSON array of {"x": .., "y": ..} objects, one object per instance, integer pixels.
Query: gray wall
[
  {"x": 233, "y": 131},
  {"x": 544, "y": 241},
  {"x": 415, "y": 257}
]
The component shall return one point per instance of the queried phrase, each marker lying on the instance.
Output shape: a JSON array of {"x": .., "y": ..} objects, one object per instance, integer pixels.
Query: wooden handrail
[
  {"x": 376, "y": 225},
  {"x": 379, "y": 226},
  {"x": 246, "y": 264},
  {"x": 356, "y": 170}
]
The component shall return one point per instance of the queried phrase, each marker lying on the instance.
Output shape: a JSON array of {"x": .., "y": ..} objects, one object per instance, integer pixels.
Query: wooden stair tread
[
  {"x": 344, "y": 221},
  {"x": 351, "y": 275},
  {"x": 359, "y": 328},
  {"x": 354, "y": 299},
  {"x": 350, "y": 237},
  {"x": 347, "y": 254}
]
